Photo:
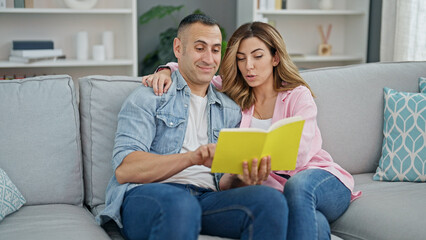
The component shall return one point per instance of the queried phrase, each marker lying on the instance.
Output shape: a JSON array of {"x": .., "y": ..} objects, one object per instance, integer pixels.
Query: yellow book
[{"x": 281, "y": 141}]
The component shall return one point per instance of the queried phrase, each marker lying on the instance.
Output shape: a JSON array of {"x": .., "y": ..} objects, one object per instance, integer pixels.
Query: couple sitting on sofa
[{"x": 164, "y": 146}]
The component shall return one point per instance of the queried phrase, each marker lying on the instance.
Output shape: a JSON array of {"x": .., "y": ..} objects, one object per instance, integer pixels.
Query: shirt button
[
  {"x": 171, "y": 123},
  {"x": 186, "y": 105}
]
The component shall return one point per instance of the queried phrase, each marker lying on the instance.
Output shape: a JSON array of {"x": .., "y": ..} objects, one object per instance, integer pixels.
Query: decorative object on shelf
[
  {"x": 19, "y": 3},
  {"x": 29, "y": 3},
  {"x": 324, "y": 49},
  {"x": 80, "y": 4},
  {"x": 267, "y": 4},
  {"x": 325, "y": 4},
  {"x": 108, "y": 42},
  {"x": 2, "y": 4},
  {"x": 283, "y": 4},
  {"x": 82, "y": 45},
  {"x": 98, "y": 52}
]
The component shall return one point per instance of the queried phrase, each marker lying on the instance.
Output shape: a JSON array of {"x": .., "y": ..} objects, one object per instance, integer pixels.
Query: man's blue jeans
[
  {"x": 176, "y": 211},
  {"x": 315, "y": 197}
]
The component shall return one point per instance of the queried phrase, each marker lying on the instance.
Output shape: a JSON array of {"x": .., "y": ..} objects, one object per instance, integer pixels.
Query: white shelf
[
  {"x": 67, "y": 63},
  {"x": 298, "y": 24},
  {"x": 52, "y": 20},
  {"x": 65, "y": 11},
  {"x": 307, "y": 12},
  {"x": 335, "y": 58}
]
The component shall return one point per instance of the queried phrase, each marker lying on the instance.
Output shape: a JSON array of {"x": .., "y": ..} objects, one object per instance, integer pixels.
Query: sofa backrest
[
  {"x": 350, "y": 108},
  {"x": 101, "y": 98},
  {"x": 40, "y": 146}
]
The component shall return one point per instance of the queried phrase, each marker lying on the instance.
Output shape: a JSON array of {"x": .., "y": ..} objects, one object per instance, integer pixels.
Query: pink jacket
[{"x": 298, "y": 102}]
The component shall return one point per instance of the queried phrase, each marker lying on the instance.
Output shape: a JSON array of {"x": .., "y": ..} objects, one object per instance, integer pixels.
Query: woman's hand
[
  {"x": 159, "y": 81},
  {"x": 254, "y": 176}
]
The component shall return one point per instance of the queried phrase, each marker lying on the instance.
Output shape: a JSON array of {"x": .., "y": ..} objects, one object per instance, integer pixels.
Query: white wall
[{"x": 224, "y": 11}]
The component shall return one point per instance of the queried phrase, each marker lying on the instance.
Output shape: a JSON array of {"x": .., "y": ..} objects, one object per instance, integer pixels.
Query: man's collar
[{"x": 211, "y": 93}]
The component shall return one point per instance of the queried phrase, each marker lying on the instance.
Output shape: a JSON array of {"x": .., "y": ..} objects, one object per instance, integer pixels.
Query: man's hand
[
  {"x": 203, "y": 155},
  {"x": 159, "y": 81}
]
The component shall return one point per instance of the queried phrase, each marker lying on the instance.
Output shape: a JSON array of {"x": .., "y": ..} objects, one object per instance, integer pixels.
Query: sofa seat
[
  {"x": 386, "y": 210},
  {"x": 52, "y": 221}
]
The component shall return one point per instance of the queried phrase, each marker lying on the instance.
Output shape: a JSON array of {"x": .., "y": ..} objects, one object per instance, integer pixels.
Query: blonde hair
[{"x": 286, "y": 75}]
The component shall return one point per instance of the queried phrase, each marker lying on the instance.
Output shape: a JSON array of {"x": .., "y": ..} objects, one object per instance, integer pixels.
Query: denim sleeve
[
  {"x": 136, "y": 126},
  {"x": 217, "y": 177}
]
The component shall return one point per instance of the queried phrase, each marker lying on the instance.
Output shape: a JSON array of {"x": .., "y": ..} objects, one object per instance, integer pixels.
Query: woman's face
[{"x": 255, "y": 62}]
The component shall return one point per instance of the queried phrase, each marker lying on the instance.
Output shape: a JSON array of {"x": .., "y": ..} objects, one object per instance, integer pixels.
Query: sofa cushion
[
  {"x": 404, "y": 150},
  {"x": 10, "y": 197},
  {"x": 101, "y": 98},
  {"x": 422, "y": 84},
  {"x": 53, "y": 221},
  {"x": 386, "y": 211},
  {"x": 350, "y": 108},
  {"x": 40, "y": 146}
]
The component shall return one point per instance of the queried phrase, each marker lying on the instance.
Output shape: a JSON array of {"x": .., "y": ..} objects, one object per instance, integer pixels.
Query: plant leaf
[{"x": 159, "y": 11}]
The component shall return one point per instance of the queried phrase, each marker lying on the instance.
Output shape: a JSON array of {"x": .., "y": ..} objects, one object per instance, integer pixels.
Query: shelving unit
[
  {"x": 298, "y": 25},
  {"x": 52, "y": 20}
]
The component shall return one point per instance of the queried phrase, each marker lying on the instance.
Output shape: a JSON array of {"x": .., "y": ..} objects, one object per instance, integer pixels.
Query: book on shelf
[
  {"x": 29, "y": 3},
  {"x": 32, "y": 44},
  {"x": 19, "y": 3},
  {"x": 32, "y": 60},
  {"x": 281, "y": 142},
  {"x": 37, "y": 53}
]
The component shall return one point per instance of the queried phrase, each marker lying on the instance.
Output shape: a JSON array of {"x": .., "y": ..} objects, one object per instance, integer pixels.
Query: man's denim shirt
[{"x": 157, "y": 124}]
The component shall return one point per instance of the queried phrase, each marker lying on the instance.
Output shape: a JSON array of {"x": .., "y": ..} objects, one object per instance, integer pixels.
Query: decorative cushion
[
  {"x": 10, "y": 197},
  {"x": 422, "y": 84},
  {"x": 40, "y": 146},
  {"x": 101, "y": 98},
  {"x": 404, "y": 127}
]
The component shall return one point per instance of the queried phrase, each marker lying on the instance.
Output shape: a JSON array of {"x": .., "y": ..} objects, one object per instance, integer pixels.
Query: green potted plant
[{"x": 163, "y": 53}]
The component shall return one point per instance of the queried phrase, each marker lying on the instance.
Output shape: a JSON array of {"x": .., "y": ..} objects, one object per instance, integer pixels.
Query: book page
[
  {"x": 282, "y": 145},
  {"x": 235, "y": 147},
  {"x": 284, "y": 121}
]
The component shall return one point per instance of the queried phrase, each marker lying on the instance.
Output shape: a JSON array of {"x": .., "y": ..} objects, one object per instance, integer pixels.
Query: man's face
[{"x": 198, "y": 50}]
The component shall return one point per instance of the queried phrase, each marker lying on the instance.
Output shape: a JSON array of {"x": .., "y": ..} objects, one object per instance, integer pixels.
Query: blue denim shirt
[{"x": 157, "y": 124}]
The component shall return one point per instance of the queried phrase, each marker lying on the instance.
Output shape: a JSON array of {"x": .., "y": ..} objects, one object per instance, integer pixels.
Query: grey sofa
[{"x": 56, "y": 145}]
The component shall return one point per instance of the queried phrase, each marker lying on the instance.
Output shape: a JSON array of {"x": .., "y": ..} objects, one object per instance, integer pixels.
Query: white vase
[
  {"x": 108, "y": 42},
  {"x": 325, "y": 4},
  {"x": 82, "y": 45},
  {"x": 98, "y": 52},
  {"x": 80, "y": 4}
]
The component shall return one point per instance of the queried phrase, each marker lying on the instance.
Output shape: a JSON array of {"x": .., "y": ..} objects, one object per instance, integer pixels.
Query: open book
[{"x": 281, "y": 141}]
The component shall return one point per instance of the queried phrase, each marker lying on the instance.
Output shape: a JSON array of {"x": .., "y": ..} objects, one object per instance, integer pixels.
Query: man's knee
[
  {"x": 150, "y": 214},
  {"x": 270, "y": 200}
]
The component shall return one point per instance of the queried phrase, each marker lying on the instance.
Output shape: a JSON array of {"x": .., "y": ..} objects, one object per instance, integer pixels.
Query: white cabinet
[
  {"x": 52, "y": 20},
  {"x": 298, "y": 24}
]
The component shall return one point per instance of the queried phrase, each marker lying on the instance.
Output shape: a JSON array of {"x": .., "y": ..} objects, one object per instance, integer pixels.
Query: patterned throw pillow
[
  {"x": 403, "y": 151},
  {"x": 422, "y": 84},
  {"x": 10, "y": 197}
]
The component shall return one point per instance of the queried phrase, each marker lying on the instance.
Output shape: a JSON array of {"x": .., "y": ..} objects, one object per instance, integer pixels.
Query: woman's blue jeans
[
  {"x": 176, "y": 211},
  {"x": 315, "y": 197}
]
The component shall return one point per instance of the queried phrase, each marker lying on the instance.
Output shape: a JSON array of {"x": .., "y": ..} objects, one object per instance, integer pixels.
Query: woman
[{"x": 259, "y": 75}]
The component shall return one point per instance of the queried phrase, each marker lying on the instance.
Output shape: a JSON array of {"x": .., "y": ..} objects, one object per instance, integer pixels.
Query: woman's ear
[{"x": 275, "y": 60}]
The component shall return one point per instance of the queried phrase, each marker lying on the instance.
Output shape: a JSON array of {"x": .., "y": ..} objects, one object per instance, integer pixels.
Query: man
[{"x": 162, "y": 187}]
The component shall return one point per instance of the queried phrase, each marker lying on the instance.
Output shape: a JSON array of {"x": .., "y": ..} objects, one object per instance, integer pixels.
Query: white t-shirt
[
  {"x": 195, "y": 136},
  {"x": 259, "y": 123}
]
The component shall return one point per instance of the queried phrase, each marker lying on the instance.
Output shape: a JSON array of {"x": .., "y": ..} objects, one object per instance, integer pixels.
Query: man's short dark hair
[{"x": 194, "y": 18}]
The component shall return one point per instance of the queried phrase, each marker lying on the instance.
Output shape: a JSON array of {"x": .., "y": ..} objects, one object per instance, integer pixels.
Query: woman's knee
[{"x": 303, "y": 183}]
